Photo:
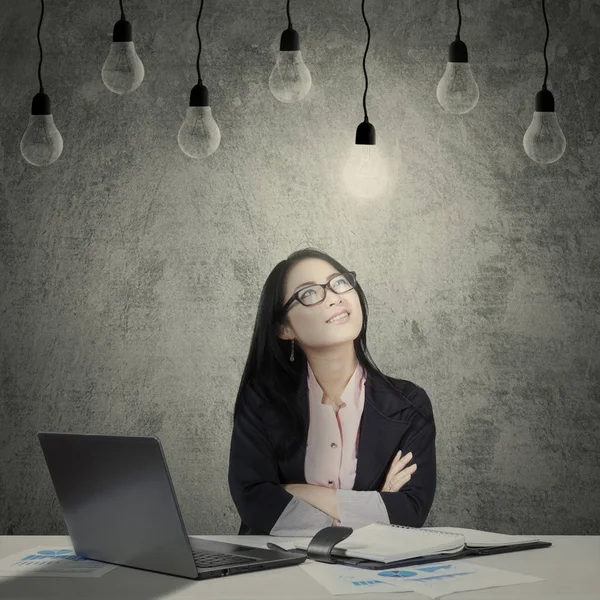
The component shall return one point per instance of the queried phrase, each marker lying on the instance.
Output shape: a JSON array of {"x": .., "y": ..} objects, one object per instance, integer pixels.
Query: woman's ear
[{"x": 284, "y": 332}]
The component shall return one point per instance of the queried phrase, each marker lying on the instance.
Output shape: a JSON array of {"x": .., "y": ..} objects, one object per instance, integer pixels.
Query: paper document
[
  {"x": 434, "y": 581},
  {"x": 340, "y": 579},
  {"x": 51, "y": 561},
  {"x": 440, "y": 579}
]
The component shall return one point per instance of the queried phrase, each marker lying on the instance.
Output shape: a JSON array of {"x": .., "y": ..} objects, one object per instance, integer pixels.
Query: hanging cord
[
  {"x": 364, "y": 60},
  {"x": 546, "y": 43},
  {"x": 288, "y": 15},
  {"x": 122, "y": 13},
  {"x": 41, "y": 51},
  {"x": 459, "y": 20},
  {"x": 199, "y": 43}
]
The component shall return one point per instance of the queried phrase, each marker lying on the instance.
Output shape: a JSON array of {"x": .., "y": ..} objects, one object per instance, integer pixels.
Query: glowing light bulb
[
  {"x": 199, "y": 135},
  {"x": 41, "y": 143},
  {"x": 544, "y": 141},
  {"x": 457, "y": 91},
  {"x": 365, "y": 174},
  {"x": 290, "y": 79},
  {"x": 123, "y": 71}
]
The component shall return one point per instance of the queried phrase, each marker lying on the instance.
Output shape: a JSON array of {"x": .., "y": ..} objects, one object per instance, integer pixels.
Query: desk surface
[{"x": 570, "y": 568}]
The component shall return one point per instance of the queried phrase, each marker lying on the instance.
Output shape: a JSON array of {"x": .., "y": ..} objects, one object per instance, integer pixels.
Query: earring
[{"x": 292, "y": 354}]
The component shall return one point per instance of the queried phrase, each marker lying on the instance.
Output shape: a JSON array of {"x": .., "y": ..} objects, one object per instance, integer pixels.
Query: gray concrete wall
[{"x": 130, "y": 274}]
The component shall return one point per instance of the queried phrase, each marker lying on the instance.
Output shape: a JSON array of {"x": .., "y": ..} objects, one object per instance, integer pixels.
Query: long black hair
[{"x": 268, "y": 370}]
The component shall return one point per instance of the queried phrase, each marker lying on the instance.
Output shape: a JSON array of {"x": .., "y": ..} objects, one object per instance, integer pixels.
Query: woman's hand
[{"x": 399, "y": 474}]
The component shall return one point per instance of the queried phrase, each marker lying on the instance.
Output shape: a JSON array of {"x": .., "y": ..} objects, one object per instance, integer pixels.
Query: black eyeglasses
[{"x": 315, "y": 294}]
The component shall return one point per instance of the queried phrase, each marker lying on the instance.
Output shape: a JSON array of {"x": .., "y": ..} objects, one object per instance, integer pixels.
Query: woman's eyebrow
[{"x": 309, "y": 282}]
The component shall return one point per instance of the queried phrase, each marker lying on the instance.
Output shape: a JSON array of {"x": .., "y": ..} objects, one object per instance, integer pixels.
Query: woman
[{"x": 321, "y": 437}]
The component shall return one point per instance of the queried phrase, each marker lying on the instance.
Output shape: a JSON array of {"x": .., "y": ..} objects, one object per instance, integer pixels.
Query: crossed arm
[
  {"x": 318, "y": 496},
  {"x": 314, "y": 507},
  {"x": 328, "y": 500}
]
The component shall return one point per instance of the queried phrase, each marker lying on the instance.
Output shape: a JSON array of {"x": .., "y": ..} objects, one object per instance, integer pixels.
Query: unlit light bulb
[
  {"x": 41, "y": 143},
  {"x": 290, "y": 79},
  {"x": 457, "y": 91},
  {"x": 544, "y": 141},
  {"x": 199, "y": 135},
  {"x": 365, "y": 174},
  {"x": 123, "y": 71}
]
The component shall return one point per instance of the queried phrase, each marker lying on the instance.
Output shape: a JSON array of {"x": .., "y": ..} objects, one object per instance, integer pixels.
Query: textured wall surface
[{"x": 130, "y": 274}]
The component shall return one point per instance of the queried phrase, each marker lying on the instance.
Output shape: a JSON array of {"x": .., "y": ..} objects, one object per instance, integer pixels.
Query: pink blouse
[{"x": 332, "y": 445}]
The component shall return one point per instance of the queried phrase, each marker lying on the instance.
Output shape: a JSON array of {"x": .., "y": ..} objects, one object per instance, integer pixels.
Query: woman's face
[{"x": 308, "y": 324}]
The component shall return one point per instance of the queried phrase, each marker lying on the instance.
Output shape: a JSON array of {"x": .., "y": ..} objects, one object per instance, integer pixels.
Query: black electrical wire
[
  {"x": 41, "y": 51},
  {"x": 364, "y": 60},
  {"x": 122, "y": 13},
  {"x": 199, "y": 43},
  {"x": 546, "y": 43},
  {"x": 459, "y": 19},
  {"x": 288, "y": 15}
]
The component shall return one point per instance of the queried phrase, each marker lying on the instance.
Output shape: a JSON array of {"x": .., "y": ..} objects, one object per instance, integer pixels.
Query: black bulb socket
[
  {"x": 40, "y": 104},
  {"x": 457, "y": 52},
  {"x": 290, "y": 41},
  {"x": 199, "y": 95},
  {"x": 122, "y": 31},
  {"x": 365, "y": 134},
  {"x": 544, "y": 101}
]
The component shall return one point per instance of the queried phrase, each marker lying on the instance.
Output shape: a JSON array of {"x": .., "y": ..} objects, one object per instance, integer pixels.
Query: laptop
[{"x": 119, "y": 505}]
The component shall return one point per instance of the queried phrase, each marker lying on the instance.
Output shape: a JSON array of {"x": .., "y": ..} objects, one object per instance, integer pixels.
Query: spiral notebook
[
  {"x": 389, "y": 543},
  {"x": 386, "y": 543}
]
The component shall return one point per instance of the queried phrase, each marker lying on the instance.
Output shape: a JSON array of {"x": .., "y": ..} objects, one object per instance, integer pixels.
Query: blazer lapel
[{"x": 379, "y": 433}]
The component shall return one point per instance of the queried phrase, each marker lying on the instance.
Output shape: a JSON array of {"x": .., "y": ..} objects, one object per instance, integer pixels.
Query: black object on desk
[
  {"x": 420, "y": 560},
  {"x": 322, "y": 548},
  {"x": 118, "y": 501},
  {"x": 324, "y": 541}
]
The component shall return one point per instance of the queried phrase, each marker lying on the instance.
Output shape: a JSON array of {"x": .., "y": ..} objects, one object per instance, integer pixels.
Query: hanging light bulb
[
  {"x": 199, "y": 135},
  {"x": 290, "y": 78},
  {"x": 123, "y": 71},
  {"x": 457, "y": 91},
  {"x": 544, "y": 141},
  {"x": 365, "y": 174},
  {"x": 41, "y": 143}
]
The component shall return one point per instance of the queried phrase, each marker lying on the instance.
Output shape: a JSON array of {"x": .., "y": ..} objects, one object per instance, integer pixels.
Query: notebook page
[{"x": 476, "y": 538}]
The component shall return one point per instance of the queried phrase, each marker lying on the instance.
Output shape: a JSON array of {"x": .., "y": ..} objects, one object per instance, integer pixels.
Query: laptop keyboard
[{"x": 204, "y": 559}]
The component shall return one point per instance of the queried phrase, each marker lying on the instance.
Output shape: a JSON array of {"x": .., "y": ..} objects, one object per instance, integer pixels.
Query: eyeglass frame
[{"x": 294, "y": 296}]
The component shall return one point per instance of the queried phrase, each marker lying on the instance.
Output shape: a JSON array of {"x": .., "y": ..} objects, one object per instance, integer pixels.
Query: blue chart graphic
[
  {"x": 368, "y": 582},
  {"x": 43, "y": 557},
  {"x": 417, "y": 574},
  {"x": 351, "y": 578}
]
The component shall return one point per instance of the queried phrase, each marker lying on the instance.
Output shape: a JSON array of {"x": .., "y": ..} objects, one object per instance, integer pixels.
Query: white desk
[{"x": 571, "y": 569}]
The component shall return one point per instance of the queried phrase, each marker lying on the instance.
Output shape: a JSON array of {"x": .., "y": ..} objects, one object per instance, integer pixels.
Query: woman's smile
[{"x": 339, "y": 319}]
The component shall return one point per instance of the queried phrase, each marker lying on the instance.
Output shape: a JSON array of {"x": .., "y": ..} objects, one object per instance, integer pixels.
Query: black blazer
[{"x": 392, "y": 420}]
